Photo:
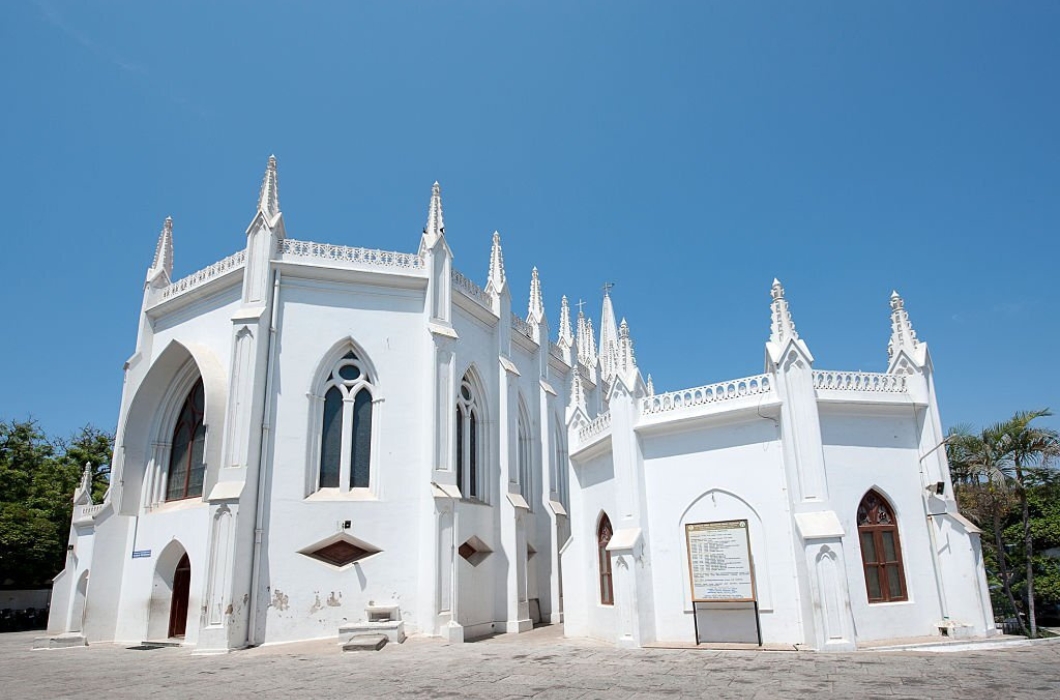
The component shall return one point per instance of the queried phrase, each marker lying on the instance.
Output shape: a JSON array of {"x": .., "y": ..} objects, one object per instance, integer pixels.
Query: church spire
[
  {"x": 608, "y": 335},
  {"x": 566, "y": 337},
  {"x": 269, "y": 199},
  {"x": 782, "y": 327},
  {"x": 590, "y": 344},
  {"x": 163, "y": 260},
  {"x": 903, "y": 337},
  {"x": 536, "y": 308},
  {"x": 435, "y": 227},
  {"x": 496, "y": 280}
]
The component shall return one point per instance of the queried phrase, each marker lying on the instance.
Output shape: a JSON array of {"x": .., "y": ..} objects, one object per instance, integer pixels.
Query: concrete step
[
  {"x": 68, "y": 640},
  {"x": 365, "y": 642}
]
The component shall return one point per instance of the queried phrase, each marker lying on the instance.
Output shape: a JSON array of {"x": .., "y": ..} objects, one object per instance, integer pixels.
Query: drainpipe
[{"x": 259, "y": 508}]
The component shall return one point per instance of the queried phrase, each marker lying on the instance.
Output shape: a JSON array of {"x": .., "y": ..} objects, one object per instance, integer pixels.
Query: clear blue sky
[{"x": 687, "y": 152}]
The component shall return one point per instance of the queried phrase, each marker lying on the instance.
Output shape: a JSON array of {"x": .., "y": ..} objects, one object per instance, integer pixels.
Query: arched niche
[
  {"x": 162, "y": 589},
  {"x": 718, "y": 505},
  {"x": 151, "y": 416}
]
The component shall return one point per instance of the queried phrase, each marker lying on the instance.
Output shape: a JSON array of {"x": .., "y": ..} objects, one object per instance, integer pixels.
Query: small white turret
[
  {"x": 269, "y": 199},
  {"x": 536, "y": 308},
  {"x": 163, "y": 260},
  {"x": 497, "y": 280}
]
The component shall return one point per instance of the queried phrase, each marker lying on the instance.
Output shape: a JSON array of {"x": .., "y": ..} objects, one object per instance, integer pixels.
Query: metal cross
[
  {"x": 580, "y": 304},
  {"x": 607, "y": 287}
]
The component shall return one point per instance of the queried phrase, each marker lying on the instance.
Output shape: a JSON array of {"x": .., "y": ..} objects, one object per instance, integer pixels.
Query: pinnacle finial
[
  {"x": 626, "y": 359},
  {"x": 650, "y": 386},
  {"x": 536, "y": 310},
  {"x": 269, "y": 199},
  {"x": 566, "y": 336},
  {"x": 435, "y": 227},
  {"x": 577, "y": 392},
  {"x": 903, "y": 337},
  {"x": 587, "y": 353},
  {"x": 163, "y": 259},
  {"x": 496, "y": 280},
  {"x": 782, "y": 327}
]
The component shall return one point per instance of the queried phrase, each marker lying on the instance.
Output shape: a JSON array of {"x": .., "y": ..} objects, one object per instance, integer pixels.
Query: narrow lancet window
[
  {"x": 186, "y": 465},
  {"x": 603, "y": 538},
  {"x": 468, "y": 445}
]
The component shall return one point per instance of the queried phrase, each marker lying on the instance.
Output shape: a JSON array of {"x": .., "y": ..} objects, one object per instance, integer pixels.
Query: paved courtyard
[{"x": 541, "y": 664}]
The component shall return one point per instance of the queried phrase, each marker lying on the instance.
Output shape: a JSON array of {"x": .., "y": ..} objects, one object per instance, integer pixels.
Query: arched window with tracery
[
  {"x": 607, "y": 584},
  {"x": 346, "y": 430},
  {"x": 186, "y": 466},
  {"x": 881, "y": 551},
  {"x": 468, "y": 441}
]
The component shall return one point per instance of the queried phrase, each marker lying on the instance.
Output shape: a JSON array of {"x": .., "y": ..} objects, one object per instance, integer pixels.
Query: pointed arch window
[
  {"x": 468, "y": 441},
  {"x": 559, "y": 468},
  {"x": 186, "y": 466},
  {"x": 881, "y": 551},
  {"x": 346, "y": 430},
  {"x": 607, "y": 584},
  {"x": 525, "y": 456}
]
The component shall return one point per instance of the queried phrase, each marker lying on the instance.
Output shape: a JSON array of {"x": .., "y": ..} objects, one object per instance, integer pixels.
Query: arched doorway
[{"x": 178, "y": 607}]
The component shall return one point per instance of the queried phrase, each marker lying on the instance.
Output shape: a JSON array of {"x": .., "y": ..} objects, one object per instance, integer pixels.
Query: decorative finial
[
  {"x": 269, "y": 199},
  {"x": 577, "y": 392},
  {"x": 496, "y": 281},
  {"x": 903, "y": 337},
  {"x": 782, "y": 326},
  {"x": 626, "y": 359},
  {"x": 163, "y": 259},
  {"x": 435, "y": 227},
  {"x": 588, "y": 356},
  {"x": 650, "y": 386},
  {"x": 536, "y": 307},
  {"x": 83, "y": 492},
  {"x": 566, "y": 337}
]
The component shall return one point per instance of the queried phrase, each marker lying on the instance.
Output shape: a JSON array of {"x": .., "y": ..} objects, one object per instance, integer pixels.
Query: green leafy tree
[
  {"x": 37, "y": 481},
  {"x": 1013, "y": 458}
]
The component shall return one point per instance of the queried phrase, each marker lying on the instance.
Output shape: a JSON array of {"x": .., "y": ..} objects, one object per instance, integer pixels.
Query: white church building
[{"x": 317, "y": 439}]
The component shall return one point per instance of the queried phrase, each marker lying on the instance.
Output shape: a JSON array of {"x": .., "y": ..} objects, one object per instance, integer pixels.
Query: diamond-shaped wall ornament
[
  {"x": 340, "y": 550},
  {"x": 474, "y": 551}
]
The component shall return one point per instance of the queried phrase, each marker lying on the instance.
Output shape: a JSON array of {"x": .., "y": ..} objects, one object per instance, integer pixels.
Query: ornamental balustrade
[
  {"x": 711, "y": 393},
  {"x": 471, "y": 290},
  {"x": 206, "y": 274},
  {"x": 522, "y": 326},
  {"x": 596, "y": 426},
  {"x": 90, "y": 511},
  {"x": 556, "y": 351},
  {"x": 350, "y": 254},
  {"x": 859, "y": 381}
]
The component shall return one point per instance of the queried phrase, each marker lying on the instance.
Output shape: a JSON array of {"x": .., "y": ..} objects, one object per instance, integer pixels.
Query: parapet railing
[
  {"x": 522, "y": 326},
  {"x": 711, "y": 393},
  {"x": 471, "y": 290},
  {"x": 556, "y": 351},
  {"x": 596, "y": 426},
  {"x": 206, "y": 274},
  {"x": 858, "y": 381},
  {"x": 350, "y": 254}
]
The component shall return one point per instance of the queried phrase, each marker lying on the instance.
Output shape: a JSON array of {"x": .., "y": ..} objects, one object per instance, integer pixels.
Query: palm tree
[
  {"x": 1029, "y": 448},
  {"x": 1009, "y": 453},
  {"x": 983, "y": 490}
]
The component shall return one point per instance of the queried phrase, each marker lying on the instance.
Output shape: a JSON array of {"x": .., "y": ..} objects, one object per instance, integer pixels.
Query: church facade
[{"x": 317, "y": 438}]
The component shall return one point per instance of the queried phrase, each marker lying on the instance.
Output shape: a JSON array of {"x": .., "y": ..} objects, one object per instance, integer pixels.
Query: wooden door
[{"x": 178, "y": 609}]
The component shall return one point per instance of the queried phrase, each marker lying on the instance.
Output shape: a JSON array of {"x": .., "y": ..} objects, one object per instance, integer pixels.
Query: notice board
[{"x": 719, "y": 561}]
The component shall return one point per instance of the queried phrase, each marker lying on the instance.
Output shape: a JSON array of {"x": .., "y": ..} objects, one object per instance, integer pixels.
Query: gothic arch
[
  {"x": 365, "y": 385},
  {"x": 719, "y": 504},
  {"x": 166, "y": 577},
  {"x": 142, "y": 445},
  {"x": 525, "y": 454},
  {"x": 471, "y": 437}
]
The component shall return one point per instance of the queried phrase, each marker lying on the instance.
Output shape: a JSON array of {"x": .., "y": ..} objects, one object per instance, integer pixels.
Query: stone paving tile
[{"x": 540, "y": 665}]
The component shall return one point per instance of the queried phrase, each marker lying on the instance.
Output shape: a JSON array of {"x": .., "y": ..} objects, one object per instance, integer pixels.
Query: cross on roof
[
  {"x": 580, "y": 304},
  {"x": 607, "y": 287}
]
